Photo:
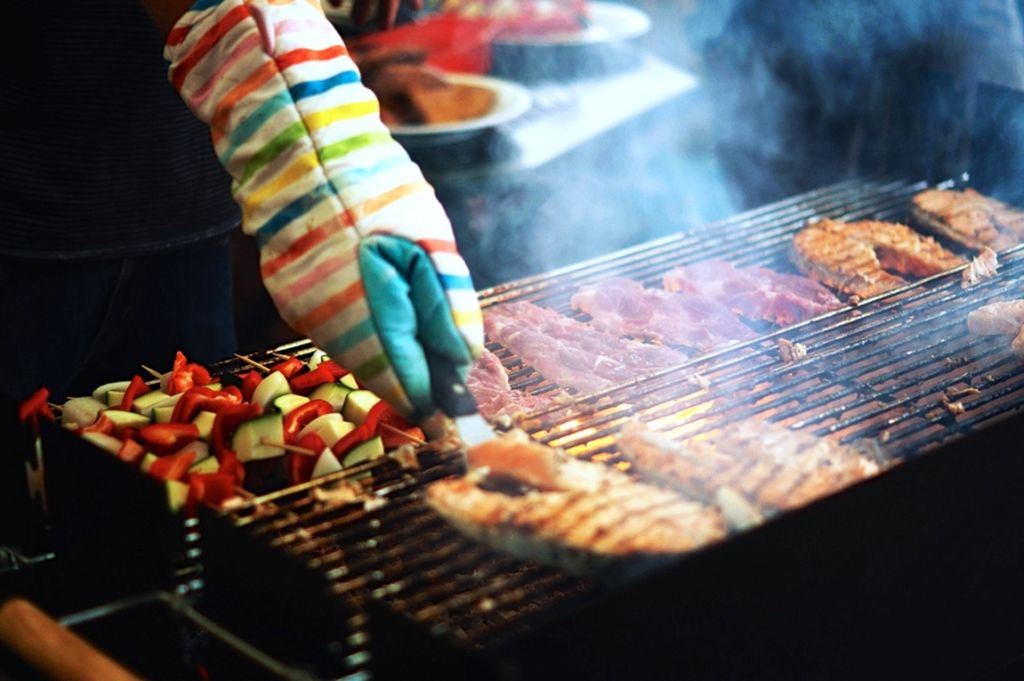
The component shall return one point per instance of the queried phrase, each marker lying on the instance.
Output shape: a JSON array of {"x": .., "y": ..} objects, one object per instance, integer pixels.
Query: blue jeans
[{"x": 71, "y": 326}]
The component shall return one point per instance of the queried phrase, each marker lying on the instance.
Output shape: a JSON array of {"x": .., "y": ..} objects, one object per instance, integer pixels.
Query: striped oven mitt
[{"x": 355, "y": 249}]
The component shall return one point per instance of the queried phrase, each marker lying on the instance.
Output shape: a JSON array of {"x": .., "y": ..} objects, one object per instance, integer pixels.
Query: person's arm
[
  {"x": 165, "y": 13},
  {"x": 355, "y": 249}
]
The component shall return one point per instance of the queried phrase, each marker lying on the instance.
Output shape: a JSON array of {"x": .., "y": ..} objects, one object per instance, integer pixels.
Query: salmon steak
[
  {"x": 769, "y": 466},
  {"x": 864, "y": 258},
  {"x": 533, "y": 502},
  {"x": 968, "y": 217}
]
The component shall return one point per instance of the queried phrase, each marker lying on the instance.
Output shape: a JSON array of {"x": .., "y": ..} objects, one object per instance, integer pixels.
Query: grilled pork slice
[
  {"x": 1002, "y": 318},
  {"x": 623, "y": 307},
  {"x": 968, "y": 217},
  {"x": 770, "y": 466},
  {"x": 754, "y": 292},
  {"x": 570, "y": 353},
  {"x": 584, "y": 518},
  {"x": 853, "y": 257},
  {"x": 488, "y": 383}
]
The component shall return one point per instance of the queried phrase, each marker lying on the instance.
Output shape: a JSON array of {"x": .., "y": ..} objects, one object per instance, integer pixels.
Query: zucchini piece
[
  {"x": 201, "y": 449},
  {"x": 326, "y": 464},
  {"x": 147, "y": 461},
  {"x": 144, "y": 403},
  {"x": 270, "y": 388},
  {"x": 330, "y": 427},
  {"x": 317, "y": 358},
  {"x": 285, "y": 403},
  {"x": 114, "y": 397},
  {"x": 248, "y": 439},
  {"x": 349, "y": 380},
  {"x": 204, "y": 422},
  {"x": 126, "y": 419},
  {"x": 358, "y": 404},
  {"x": 177, "y": 494},
  {"x": 100, "y": 393},
  {"x": 81, "y": 411},
  {"x": 364, "y": 451},
  {"x": 162, "y": 414},
  {"x": 335, "y": 393},
  {"x": 107, "y": 443},
  {"x": 207, "y": 465}
]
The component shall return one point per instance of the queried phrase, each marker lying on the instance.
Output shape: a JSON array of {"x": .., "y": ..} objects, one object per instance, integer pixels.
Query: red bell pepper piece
[
  {"x": 172, "y": 466},
  {"x": 364, "y": 431},
  {"x": 301, "y": 416},
  {"x": 289, "y": 367},
  {"x": 303, "y": 384},
  {"x": 199, "y": 398},
  {"x": 230, "y": 465},
  {"x": 102, "y": 425},
  {"x": 131, "y": 452},
  {"x": 164, "y": 438},
  {"x": 36, "y": 407},
  {"x": 300, "y": 466},
  {"x": 185, "y": 374},
  {"x": 250, "y": 380},
  {"x": 227, "y": 420},
  {"x": 212, "y": 489},
  {"x": 135, "y": 388}
]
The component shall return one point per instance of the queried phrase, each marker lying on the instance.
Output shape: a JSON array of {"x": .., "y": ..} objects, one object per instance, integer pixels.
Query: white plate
[
  {"x": 511, "y": 101},
  {"x": 609, "y": 22}
]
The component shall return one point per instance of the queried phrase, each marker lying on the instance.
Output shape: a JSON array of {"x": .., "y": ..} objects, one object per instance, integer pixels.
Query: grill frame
[
  {"x": 910, "y": 515},
  {"x": 522, "y": 651}
]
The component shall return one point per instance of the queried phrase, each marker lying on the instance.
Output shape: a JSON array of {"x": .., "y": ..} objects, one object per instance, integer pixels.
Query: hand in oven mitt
[{"x": 355, "y": 249}]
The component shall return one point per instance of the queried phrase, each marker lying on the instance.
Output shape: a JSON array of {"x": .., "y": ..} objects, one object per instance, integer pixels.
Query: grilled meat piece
[
  {"x": 1003, "y": 318},
  {"x": 623, "y": 307},
  {"x": 771, "y": 466},
  {"x": 853, "y": 257},
  {"x": 571, "y": 353},
  {"x": 585, "y": 518},
  {"x": 983, "y": 266},
  {"x": 754, "y": 292},
  {"x": 968, "y": 217},
  {"x": 488, "y": 383}
]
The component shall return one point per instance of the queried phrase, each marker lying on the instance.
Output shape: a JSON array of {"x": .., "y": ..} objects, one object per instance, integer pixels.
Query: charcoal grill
[{"x": 910, "y": 573}]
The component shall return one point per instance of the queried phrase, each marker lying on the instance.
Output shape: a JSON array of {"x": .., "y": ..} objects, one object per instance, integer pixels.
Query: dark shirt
[{"x": 100, "y": 157}]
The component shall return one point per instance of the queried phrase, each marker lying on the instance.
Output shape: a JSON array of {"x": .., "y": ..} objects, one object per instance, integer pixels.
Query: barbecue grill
[{"x": 910, "y": 573}]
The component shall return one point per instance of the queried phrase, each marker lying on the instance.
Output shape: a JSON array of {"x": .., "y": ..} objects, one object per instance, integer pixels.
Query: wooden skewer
[
  {"x": 253, "y": 363},
  {"x": 289, "y": 448},
  {"x": 55, "y": 406},
  {"x": 399, "y": 431},
  {"x": 151, "y": 371},
  {"x": 280, "y": 355}
]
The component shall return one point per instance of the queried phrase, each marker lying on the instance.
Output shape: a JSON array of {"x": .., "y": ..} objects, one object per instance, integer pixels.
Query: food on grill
[
  {"x": 982, "y": 266},
  {"x": 586, "y": 518},
  {"x": 1004, "y": 318},
  {"x": 488, "y": 383},
  {"x": 570, "y": 353},
  {"x": 853, "y": 257},
  {"x": 968, "y": 217},
  {"x": 205, "y": 436},
  {"x": 790, "y": 351},
  {"x": 754, "y": 292},
  {"x": 623, "y": 307},
  {"x": 771, "y": 466},
  {"x": 411, "y": 92}
]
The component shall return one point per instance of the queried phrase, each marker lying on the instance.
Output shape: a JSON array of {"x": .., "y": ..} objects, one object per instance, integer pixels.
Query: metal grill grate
[{"x": 886, "y": 369}]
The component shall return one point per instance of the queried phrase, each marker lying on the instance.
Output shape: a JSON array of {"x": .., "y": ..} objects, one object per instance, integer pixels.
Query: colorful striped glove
[{"x": 355, "y": 249}]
